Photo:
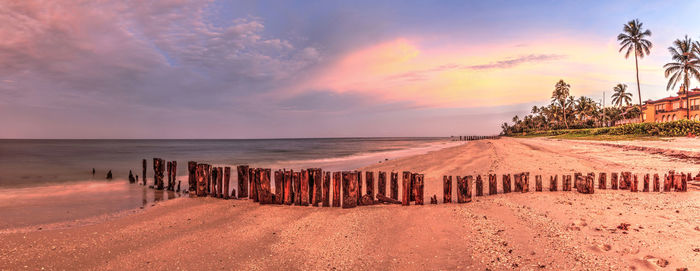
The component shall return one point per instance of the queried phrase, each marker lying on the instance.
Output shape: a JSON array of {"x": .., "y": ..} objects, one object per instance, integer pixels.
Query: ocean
[{"x": 51, "y": 181}]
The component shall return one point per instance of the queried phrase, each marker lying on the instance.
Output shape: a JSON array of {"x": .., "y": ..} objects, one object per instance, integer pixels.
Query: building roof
[{"x": 693, "y": 93}]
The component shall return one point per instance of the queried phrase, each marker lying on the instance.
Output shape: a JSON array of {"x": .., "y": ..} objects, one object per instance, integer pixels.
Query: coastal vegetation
[{"x": 568, "y": 116}]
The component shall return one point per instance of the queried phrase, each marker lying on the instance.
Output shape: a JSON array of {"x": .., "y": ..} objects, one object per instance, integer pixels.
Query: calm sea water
[{"x": 51, "y": 181}]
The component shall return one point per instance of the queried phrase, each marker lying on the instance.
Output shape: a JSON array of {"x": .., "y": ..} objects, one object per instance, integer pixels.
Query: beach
[{"x": 522, "y": 231}]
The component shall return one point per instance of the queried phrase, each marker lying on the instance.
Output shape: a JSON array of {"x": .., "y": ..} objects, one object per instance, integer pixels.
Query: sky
[{"x": 288, "y": 69}]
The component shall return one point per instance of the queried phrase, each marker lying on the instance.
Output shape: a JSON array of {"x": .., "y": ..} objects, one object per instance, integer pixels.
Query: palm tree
[
  {"x": 685, "y": 66},
  {"x": 631, "y": 39},
  {"x": 620, "y": 95},
  {"x": 560, "y": 94}
]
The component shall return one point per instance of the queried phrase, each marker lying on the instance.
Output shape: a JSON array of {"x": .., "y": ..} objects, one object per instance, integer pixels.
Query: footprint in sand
[
  {"x": 601, "y": 248},
  {"x": 655, "y": 261}
]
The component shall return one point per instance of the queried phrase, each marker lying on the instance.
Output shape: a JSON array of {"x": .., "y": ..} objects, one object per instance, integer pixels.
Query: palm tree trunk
[
  {"x": 639, "y": 91},
  {"x": 564, "y": 111},
  {"x": 687, "y": 96}
]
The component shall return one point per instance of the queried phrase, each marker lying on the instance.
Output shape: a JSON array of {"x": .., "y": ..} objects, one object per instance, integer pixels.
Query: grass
[{"x": 605, "y": 137}]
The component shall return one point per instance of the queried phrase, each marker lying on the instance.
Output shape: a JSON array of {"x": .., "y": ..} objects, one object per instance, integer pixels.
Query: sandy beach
[{"x": 521, "y": 231}]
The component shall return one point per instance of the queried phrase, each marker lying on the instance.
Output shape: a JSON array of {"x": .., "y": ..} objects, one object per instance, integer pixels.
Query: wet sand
[{"x": 547, "y": 230}]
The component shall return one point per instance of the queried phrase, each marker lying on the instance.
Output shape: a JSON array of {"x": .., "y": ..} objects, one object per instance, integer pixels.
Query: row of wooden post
[{"x": 470, "y": 138}]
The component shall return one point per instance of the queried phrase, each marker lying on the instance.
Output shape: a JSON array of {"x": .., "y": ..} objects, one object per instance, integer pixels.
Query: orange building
[{"x": 672, "y": 108}]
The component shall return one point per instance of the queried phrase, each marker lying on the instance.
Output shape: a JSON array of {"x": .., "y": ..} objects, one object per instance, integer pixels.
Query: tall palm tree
[
  {"x": 620, "y": 95},
  {"x": 632, "y": 39},
  {"x": 685, "y": 66},
  {"x": 560, "y": 95}
]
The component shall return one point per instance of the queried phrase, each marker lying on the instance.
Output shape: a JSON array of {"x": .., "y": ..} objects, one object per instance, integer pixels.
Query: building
[{"x": 672, "y": 108}]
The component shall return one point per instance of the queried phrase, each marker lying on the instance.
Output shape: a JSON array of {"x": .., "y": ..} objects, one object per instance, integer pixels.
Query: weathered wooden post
[
  {"x": 394, "y": 186},
  {"x": 406, "y": 189},
  {"x": 304, "y": 187},
  {"x": 479, "y": 186},
  {"x": 461, "y": 189},
  {"x": 318, "y": 186},
  {"x": 158, "y": 173},
  {"x": 414, "y": 187},
  {"x": 538, "y": 183},
  {"x": 296, "y": 187},
  {"x": 613, "y": 181},
  {"x": 169, "y": 174},
  {"x": 590, "y": 183},
  {"x": 684, "y": 183},
  {"x": 242, "y": 181},
  {"x": 447, "y": 189},
  {"x": 325, "y": 197},
  {"x": 212, "y": 184},
  {"x": 288, "y": 190},
  {"x": 577, "y": 176},
  {"x": 468, "y": 189},
  {"x": 337, "y": 180},
  {"x": 566, "y": 183},
  {"x": 369, "y": 181},
  {"x": 602, "y": 180},
  {"x": 585, "y": 183},
  {"x": 381, "y": 183},
  {"x": 668, "y": 181},
  {"x": 646, "y": 183},
  {"x": 517, "y": 182},
  {"x": 312, "y": 188},
  {"x": 506, "y": 183},
  {"x": 144, "y": 171},
  {"x": 553, "y": 182},
  {"x": 626, "y": 181},
  {"x": 657, "y": 183},
  {"x": 178, "y": 186},
  {"x": 635, "y": 183},
  {"x": 201, "y": 180},
  {"x": 220, "y": 182},
  {"x": 279, "y": 186},
  {"x": 227, "y": 188},
  {"x": 173, "y": 166},
  {"x": 265, "y": 191},
  {"x": 493, "y": 189},
  {"x": 192, "y": 177},
  {"x": 131, "y": 177},
  {"x": 253, "y": 183},
  {"x": 349, "y": 189},
  {"x": 359, "y": 187},
  {"x": 525, "y": 181},
  {"x": 419, "y": 189}
]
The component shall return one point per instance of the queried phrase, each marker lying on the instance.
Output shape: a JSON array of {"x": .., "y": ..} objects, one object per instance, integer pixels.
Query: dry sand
[{"x": 523, "y": 231}]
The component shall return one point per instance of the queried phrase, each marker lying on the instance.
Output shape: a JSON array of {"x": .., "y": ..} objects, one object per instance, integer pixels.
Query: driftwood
[
  {"x": 366, "y": 200},
  {"x": 493, "y": 186},
  {"x": 243, "y": 181},
  {"x": 447, "y": 189},
  {"x": 406, "y": 188},
  {"x": 383, "y": 199},
  {"x": 602, "y": 180},
  {"x": 613, "y": 181},
  {"x": 394, "y": 186},
  {"x": 538, "y": 183},
  {"x": 479, "y": 186},
  {"x": 553, "y": 182},
  {"x": 325, "y": 197},
  {"x": 350, "y": 193},
  {"x": 381, "y": 183},
  {"x": 369, "y": 181},
  {"x": 418, "y": 178},
  {"x": 192, "y": 177},
  {"x": 337, "y": 180},
  {"x": 657, "y": 183},
  {"x": 506, "y": 183}
]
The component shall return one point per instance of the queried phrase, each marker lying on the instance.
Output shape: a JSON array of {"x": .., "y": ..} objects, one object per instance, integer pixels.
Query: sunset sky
[{"x": 271, "y": 69}]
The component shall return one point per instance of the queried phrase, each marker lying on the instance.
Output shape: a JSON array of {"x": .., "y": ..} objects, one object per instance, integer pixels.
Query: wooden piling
[
  {"x": 253, "y": 183},
  {"x": 178, "y": 186},
  {"x": 538, "y": 183},
  {"x": 318, "y": 186},
  {"x": 201, "y": 180},
  {"x": 169, "y": 174},
  {"x": 369, "y": 184},
  {"x": 646, "y": 183},
  {"x": 506, "y": 183},
  {"x": 668, "y": 182},
  {"x": 192, "y": 177},
  {"x": 144, "y": 163},
  {"x": 394, "y": 186},
  {"x": 602, "y": 180},
  {"x": 381, "y": 183},
  {"x": 242, "y": 181},
  {"x": 468, "y": 189},
  {"x": 553, "y": 182},
  {"x": 304, "y": 187},
  {"x": 479, "y": 186},
  {"x": 461, "y": 189},
  {"x": 626, "y": 181},
  {"x": 350, "y": 194},
  {"x": 131, "y": 177},
  {"x": 220, "y": 183},
  {"x": 577, "y": 176},
  {"x": 406, "y": 189},
  {"x": 279, "y": 186},
  {"x": 174, "y": 172},
  {"x": 158, "y": 172},
  {"x": 227, "y": 188},
  {"x": 265, "y": 190},
  {"x": 212, "y": 184},
  {"x": 566, "y": 183},
  {"x": 684, "y": 183},
  {"x": 288, "y": 190},
  {"x": 414, "y": 187},
  {"x": 635, "y": 184},
  {"x": 585, "y": 183},
  {"x": 296, "y": 187},
  {"x": 447, "y": 189},
  {"x": 525, "y": 182},
  {"x": 337, "y": 180},
  {"x": 517, "y": 182},
  {"x": 419, "y": 188},
  {"x": 359, "y": 187},
  {"x": 325, "y": 197},
  {"x": 493, "y": 188},
  {"x": 613, "y": 181},
  {"x": 657, "y": 183}
]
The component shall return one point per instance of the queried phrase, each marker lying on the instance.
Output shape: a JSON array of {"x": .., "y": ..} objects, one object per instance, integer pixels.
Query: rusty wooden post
[
  {"x": 590, "y": 183},
  {"x": 201, "y": 180},
  {"x": 359, "y": 187},
  {"x": 220, "y": 182},
  {"x": 325, "y": 197},
  {"x": 493, "y": 186},
  {"x": 646, "y": 183},
  {"x": 517, "y": 182},
  {"x": 158, "y": 172},
  {"x": 419, "y": 189},
  {"x": 318, "y": 186},
  {"x": 553, "y": 182},
  {"x": 337, "y": 180},
  {"x": 394, "y": 186},
  {"x": 577, "y": 176},
  {"x": 279, "y": 186},
  {"x": 288, "y": 190},
  {"x": 312, "y": 173},
  {"x": 657, "y": 184},
  {"x": 613, "y": 181},
  {"x": 468, "y": 189},
  {"x": 525, "y": 181},
  {"x": 684, "y": 183},
  {"x": 668, "y": 182},
  {"x": 381, "y": 183},
  {"x": 406, "y": 188},
  {"x": 585, "y": 183},
  {"x": 192, "y": 177},
  {"x": 411, "y": 188},
  {"x": 253, "y": 182},
  {"x": 626, "y": 181},
  {"x": 635, "y": 184},
  {"x": 144, "y": 163},
  {"x": 265, "y": 190},
  {"x": 566, "y": 183},
  {"x": 479, "y": 186},
  {"x": 296, "y": 187},
  {"x": 350, "y": 189},
  {"x": 447, "y": 189},
  {"x": 602, "y": 180},
  {"x": 304, "y": 187},
  {"x": 369, "y": 184},
  {"x": 174, "y": 172},
  {"x": 214, "y": 178},
  {"x": 461, "y": 189},
  {"x": 538, "y": 183},
  {"x": 227, "y": 180},
  {"x": 167, "y": 172},
  {"x": 506, "y": 183},
  {"x": 242, "y": 181}
]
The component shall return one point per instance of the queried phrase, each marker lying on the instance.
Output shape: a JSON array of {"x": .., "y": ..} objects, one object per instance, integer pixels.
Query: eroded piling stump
[
  {"x": 657, "y": 183},
  {"x": 227, "y": 180},
  {"x": 419, "y": 188},
  {"x": 337, "y": 180},
  {"x": 566, "y": 183},
  {"x": 304, "y": 187},
  {"x": 192, "y": 177},
  {"x": 553, "y": 183},
  {"x": 325, "y": 197},
  {"x": 279, "y": 186},
  {"x": 602, "y": 180},
  {"x": 493, "y": 189},
  {"x": 613, "y": 180},
  {"x": 479, "y": 186},
  {"x": 506, "y": 183},
  {"x": 350, "y": 195},
  {"x": 406, "y": 188},
  {"x": 381, "y": 183},
  {"x": 158, "y": 173},
  {"x": 646, "y": 183},
  {"x": 394, "y": 186},
  {"x": 242, "y": 181},
  {"x": 144, "y": 164},
  {"x": 288, "y": 190},
  {"x": 369, "y": 181},
  {"x": 447, "y": 189}
]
